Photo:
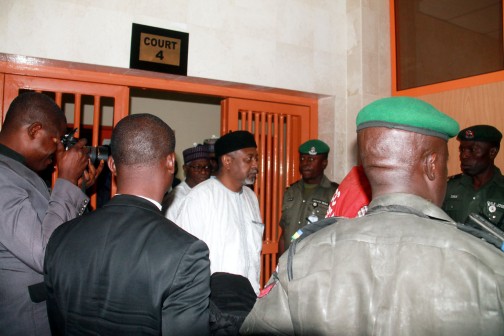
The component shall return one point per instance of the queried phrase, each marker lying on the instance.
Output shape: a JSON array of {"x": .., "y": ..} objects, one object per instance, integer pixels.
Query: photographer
[{"x": 29, "y": 213}]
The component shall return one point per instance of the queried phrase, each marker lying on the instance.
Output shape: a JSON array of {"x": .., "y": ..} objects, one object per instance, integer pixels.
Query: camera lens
[{"x": 96, "y": 154}]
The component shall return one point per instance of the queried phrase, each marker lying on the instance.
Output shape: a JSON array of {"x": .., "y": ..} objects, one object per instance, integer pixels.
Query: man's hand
[
  {"x": 71, "y": 163},
  {"x": 91, "y": 174}
]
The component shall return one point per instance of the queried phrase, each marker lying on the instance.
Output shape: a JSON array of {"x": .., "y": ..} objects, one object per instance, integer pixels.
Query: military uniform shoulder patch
[
  {"x": 290, "y": 185},
  {"x": 455, "y": 177}
]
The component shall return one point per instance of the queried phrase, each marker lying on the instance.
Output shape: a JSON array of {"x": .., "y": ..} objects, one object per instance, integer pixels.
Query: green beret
[
  {"x": 485, "y": 133},
  {"x": 409, "y": 114},
  {"x": 314, "y": 147}
]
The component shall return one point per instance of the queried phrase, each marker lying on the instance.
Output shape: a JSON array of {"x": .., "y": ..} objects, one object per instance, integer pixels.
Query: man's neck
[
  {"x": 190, "y": 183},
  {"x": 230, "y": 183},
  {"x": 315, "y": 180},
  {"x": 482, "y": 179}
]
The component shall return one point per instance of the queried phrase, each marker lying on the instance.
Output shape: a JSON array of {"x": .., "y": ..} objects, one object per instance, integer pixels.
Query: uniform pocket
[{"x": 287, "y": 204}]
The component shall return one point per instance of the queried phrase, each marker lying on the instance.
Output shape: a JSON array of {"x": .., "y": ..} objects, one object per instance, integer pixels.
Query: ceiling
[{"x": 481, "y": 16}]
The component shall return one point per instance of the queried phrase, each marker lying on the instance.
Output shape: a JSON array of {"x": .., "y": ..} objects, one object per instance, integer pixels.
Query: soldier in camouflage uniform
[{"x": 480, "y": 187}]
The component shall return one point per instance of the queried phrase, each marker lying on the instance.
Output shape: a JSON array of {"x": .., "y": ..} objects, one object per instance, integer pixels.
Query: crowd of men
[{"x": 392, "y": 250}]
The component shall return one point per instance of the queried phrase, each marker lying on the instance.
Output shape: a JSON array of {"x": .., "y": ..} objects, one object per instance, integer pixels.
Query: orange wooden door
[
  {"x": 2, "y": 81},
  {"x": 278, "y": 129},
  {"x": 73, "y": 92}
]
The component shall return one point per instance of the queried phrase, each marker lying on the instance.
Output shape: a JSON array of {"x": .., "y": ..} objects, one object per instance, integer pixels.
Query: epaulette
[
  {"x": 455, "y": 177},
  {"x": 302, "y": 234},
  {"x": 293, "y": 184}
]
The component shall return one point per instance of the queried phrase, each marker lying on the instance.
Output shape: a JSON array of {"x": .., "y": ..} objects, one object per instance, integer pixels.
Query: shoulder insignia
[
  {"x": 293, "y": 183},
  {"x": 455, "y": 177},
  {"x": 300, "y": 235}
]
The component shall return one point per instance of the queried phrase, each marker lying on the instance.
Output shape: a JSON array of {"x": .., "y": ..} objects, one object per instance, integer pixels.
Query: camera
[{"x": 96, "y": 154}]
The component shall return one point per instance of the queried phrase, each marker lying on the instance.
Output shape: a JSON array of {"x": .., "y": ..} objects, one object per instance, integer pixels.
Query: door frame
[{"x": 46, "y": 69}]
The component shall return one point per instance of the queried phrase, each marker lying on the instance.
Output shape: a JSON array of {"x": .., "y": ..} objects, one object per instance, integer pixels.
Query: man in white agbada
[
  {"x": 224, "y": 212},
  {"x": 197, "y": 169}
]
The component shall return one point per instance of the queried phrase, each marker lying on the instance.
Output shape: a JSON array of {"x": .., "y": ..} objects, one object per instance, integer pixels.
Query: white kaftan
[
  {"x": 176, "y": 197},
  {"x": 229, "y": 223}
]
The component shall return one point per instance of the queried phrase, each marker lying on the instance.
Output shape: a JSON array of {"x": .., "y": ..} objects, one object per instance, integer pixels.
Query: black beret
[
  {"x": 484, "y": 133},
  {"x": 234, "y": 141}
]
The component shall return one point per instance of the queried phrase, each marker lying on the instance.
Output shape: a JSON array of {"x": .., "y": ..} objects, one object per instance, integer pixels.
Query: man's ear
[
  {"x": 170, "y": 163},
  {"x": 33, "y": 129},
  {"x": 111, "y": 165},
  {"x": 493, "y": 152},
  {"x": 430, "y": 166},
  {"x": 226, "y": 160}
]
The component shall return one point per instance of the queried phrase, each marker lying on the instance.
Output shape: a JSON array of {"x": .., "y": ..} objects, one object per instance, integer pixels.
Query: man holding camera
[{"x": 29, "y": 212}]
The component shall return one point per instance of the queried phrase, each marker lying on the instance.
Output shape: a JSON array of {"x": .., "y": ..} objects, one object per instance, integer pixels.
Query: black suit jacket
[{"x": 125, "y": 269}]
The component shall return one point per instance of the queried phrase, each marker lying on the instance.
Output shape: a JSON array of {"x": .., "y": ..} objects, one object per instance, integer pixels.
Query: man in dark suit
[{"x": 125, "y": 269}]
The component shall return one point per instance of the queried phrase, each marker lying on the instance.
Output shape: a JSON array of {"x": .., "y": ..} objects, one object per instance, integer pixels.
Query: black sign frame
[{"x": 144, "y": 39}]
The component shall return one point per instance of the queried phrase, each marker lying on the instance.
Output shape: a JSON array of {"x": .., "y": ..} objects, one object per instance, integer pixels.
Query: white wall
[{"x": 332, "y": 47}]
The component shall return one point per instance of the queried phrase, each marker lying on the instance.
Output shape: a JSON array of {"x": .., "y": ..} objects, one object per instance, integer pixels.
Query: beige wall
[
  {"x": 362, "y": 76},
  {"x": 193, "y": 122},
  {"x": 336, "y": 48}
]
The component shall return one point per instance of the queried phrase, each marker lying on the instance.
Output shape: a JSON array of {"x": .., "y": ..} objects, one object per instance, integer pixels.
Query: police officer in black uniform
[
  {"x": 480, "y": 187},
  {"x": 306, "y": 201}
]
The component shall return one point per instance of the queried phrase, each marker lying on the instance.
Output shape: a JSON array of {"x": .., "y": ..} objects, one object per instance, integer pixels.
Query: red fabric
[
  {"x": 265, "y": 291},
  {"x": 353, "y": 195}
]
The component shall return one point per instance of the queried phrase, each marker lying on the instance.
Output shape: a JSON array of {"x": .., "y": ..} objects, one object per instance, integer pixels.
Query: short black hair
[
  {"x": 141, "y": 139},
  {"x": 30, "y": 107}
]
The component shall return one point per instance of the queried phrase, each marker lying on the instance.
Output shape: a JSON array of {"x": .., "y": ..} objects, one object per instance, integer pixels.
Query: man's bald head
[
  {"x": 401, "y": 161},
  {"x": 403, "y": 147}
]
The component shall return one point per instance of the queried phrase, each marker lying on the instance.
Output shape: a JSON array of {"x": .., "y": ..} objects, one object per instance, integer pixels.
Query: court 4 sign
[{"x": 158, "y": 49}]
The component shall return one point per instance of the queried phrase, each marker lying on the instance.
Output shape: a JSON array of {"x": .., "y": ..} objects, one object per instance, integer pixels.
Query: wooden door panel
[
  {"x": 261, "y": 109},
  {"x": 278, "y": 129}
]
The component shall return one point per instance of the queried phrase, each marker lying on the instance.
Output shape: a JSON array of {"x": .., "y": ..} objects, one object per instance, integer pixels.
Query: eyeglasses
[{"x": 199, "y": 168}]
